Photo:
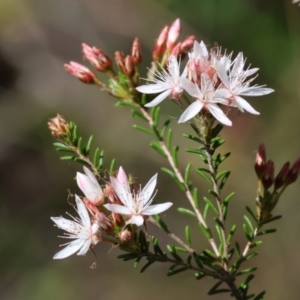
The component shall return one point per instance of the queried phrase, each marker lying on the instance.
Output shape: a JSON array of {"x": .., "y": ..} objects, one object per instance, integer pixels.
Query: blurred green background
[{"x": 36, "y": 39}]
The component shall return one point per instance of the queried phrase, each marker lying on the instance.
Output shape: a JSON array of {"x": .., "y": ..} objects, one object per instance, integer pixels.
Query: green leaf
[
  {"x": 251, "y": 213},
  {"x": 169, "y": 138},
  {"x": 203, "y": 174},
  {"x": 176, "y": 271},
  {"x": 162, "y": 224},
  {"x": 251, "y": 255},
  {"x": 146, "y": 130},
  {"x": 218, "y": 229},
  {"x": 175, "y": 156},
  {"x": 165, "y": 126},
  {"x": 187, "y": 172},
  {"x": 193, "y": 138},
  {"x": 147, "y": 265},
  {"x": 186, "y": 211},
  {"x": 126, "y": 104},
  {"x": 213, "y": 193},
  {"x": 216, "y": 130},
  {"x": 272, "y": 219},
  {"x": 88, "y": 146},
  {"x": 136, "y": 263},
  {"x": 246, "y": 271},
  {"x": 257, "y": 243},
  {"x": 231, "y": 233},
  {"x": 188, "y": 234},
  {"x": 157, "y": 147},
  {"x": 112, "y": 167},
  {"x": 224, "y": 180},
  {"x": 211, "y": 204},
  {"x": 180, "y": 249},
  {"x": 173, "y": 175},
  {"x": 128, "y": 256},
  {"x": 260, "y": 296},
  {"x": 194, "y": 150},
  {"x": 238, "y": 249},
  {"x": 78, "y": 159},
  {"x": 267, "y": 231},
  {"x": 156, "y": 247},
  {"x": 156, "y": 133},
  {"x": 225, "y": 156},
  {"x": 66, "y": 158},
  {"x": 79, "y": 145},
  {"x": 195, "y": 129},
  {"x": 206, "y": 231},
  {"x": 138, "y": 114},
  {"x": 156, "y": 116},
  {"x": 218, "y": 221},
  {"x": 173, "y": 252},
  {"x": 225, "y": 205},
  {"x": 195, "y": 197},
  {"x": 198, "y": 260},
  {"x": 96, "y": 157},
  {"x": 248, "y": 232},
  {"x": 214, "y": 290},
  {"x": 249, "y": 223}
]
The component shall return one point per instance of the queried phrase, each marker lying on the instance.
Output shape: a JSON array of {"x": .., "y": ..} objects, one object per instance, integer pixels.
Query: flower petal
[
  {"x": 82, "y": 212},
  {"x": 85, "y": 247},
  {"x": 65, "y": 224},
  {"x": 245, "y": 105},
  {"x": 151, "y": 88},
  {"x": 136, "y": 219},
  {"x": 173, "y": 67},
  {"x": 191, "y": 88},
  {"x": 149, "y": 189},
  {"x": 257, "y": 91},
  {"x": 191, "y": 111},
  {"x": 119, "y": 209},
  {"x": 159, "y": 98},
  {"x": 218, "y": 113},
  {"x": 156, "y": 209},
  {"x": 69, "y": 250},
  {"x": 121, "y": 192}
]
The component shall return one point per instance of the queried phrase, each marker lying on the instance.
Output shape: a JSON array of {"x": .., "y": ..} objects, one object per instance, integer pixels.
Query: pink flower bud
[
  {"x": 128, "y": 66},
  {"x": 160, "y": 45},
  {"x": 80, "y": 71},
  {"x": 96, "y": 57},
  {"x": 125, "y": 236},
  {"x": 173, "y": 34},
  {"x": 294, "y": 172},
  {"x": 268, "y": 176},
  {"x": 176, "y": 50},
  {"x": 260, "y": 161},
  {"x": 281, "y": 177},
  {"x": 187, "y": 44},
  {"x": 136, "y": 54},
  {"x": 120, "y": 60}
]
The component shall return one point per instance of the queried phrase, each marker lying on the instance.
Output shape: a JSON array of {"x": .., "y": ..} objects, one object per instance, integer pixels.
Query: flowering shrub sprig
[{"x": 113, "y": 209}]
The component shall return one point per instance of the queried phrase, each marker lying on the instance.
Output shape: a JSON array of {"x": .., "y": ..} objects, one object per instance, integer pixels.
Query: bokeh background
[{"x": 36, "y": 39}]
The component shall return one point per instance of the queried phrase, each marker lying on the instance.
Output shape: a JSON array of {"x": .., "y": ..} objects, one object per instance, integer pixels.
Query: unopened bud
[
  {"x": 268, "y": 177},
  {"x": 260, "y": 161},
  {"x": 176, "y": 50},
  {"x": 58, "y": 126},
  {"x": 294, "y": 172},
  {"x": 160, "y": 45},
  {"x": 173, "y": 34},
  {"x": 125, "y": 236},
  {"x": 120, "y": 61},
  {"x": 136, "y": 54},
  {"x": 81, "y": 72},
  {"x": 187, "y": 44},
  {"x": 96, "y": 57},
  {"x": 128, "y": 67},
  {"x": 281, "y": 177}
]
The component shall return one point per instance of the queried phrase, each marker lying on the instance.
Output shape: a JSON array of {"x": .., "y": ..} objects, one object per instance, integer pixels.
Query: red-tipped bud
[
  {"x": 260, "y": 161},
  {"x": 281, "y": 177},
  {"x": 176, "y": 50},
  {"x": 268, "y": 176},
  {"x": 160, "y": 45},
  {"x": 136, "y": 54},
  {"x": 128, "y": 66},
  {"x": 96, "y": 57},
  {"x": 80, "y": 71},
  {"x": 173, "y": 34},
  {"x": 187, "y": 44},
  {"x": 120, "y": 60},
  {"x": 294, "y": 172}
]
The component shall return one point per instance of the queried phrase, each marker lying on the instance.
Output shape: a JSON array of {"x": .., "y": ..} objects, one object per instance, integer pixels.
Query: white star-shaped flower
[
  {"x": 81, "y": 230},
  {"x": 235, "y": 84},
  {"x": 90, "y": 186},
  {"x": 137, "y": 205},
  {"x": 205, "y": 97},
  {"x": 167, "y": 83}
]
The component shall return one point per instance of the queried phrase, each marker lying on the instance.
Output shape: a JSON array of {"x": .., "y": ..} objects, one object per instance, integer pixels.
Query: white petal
[
  {"x": 218, "y": 113},
  {"x": 82, "y": 212},
  {"x": 89, "y": 186},
  {"x": 66, "y": 224},
  {"x": 221, "y": 69},
  {"x": 85, "y": 247},
  {"x": 136, "y": 219},
  {"x": 191, "y": 111},
  {"x": 151, "y": 88},
  {"x": 121, "y": 192},
  {"x": 69, "y": 250},
  {"x": 156, "y": 209},
  {"x": 119, "y": 209},
  {"x": 159, "y": 98},
  {"x": 238, "y": 65},
  {"x": 191, "y": 88},
  {"x": 257, "y": 91},
  {"x": 173, "y": 67},
  {"x": 149, "y": 189},
  {"x": 90, "y": 175},
  {"x": 203, "y": 49},
  {"x": 250, "y": 72},
  {"x": 246, "y": 106}
]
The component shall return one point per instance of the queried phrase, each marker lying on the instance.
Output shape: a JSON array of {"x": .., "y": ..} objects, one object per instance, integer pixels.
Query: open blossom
[
  {"x": 205, "y": 97},
  {"x": 167, "y": 83},
  {"x": 236, "y": 84},
  {"x": 90, "y": 186},
  {"x": 81, "y": 230},
  {"x": 136, "y": 205}
]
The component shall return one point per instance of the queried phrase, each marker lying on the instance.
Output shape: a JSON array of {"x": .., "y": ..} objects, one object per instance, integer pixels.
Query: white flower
[
  {"x": 166, "y": 83},
  {"x": 81, "y": 230},
  {"x": 205, "y": 97},
  {"x": 295, "y": 1},
  {"x": 234, "y": 83},
  {"x": 90, "y": 186},
  {"x": 137, "y": 204}
]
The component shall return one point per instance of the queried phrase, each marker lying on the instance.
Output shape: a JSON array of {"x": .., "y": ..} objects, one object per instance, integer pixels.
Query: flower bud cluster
[
  {"x": 107, "y": 212},
  {"x": 265, "y": 171}
]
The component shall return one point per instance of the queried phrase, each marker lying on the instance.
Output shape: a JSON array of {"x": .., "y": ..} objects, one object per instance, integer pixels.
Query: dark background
[{"x": 36, "y": 39}]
